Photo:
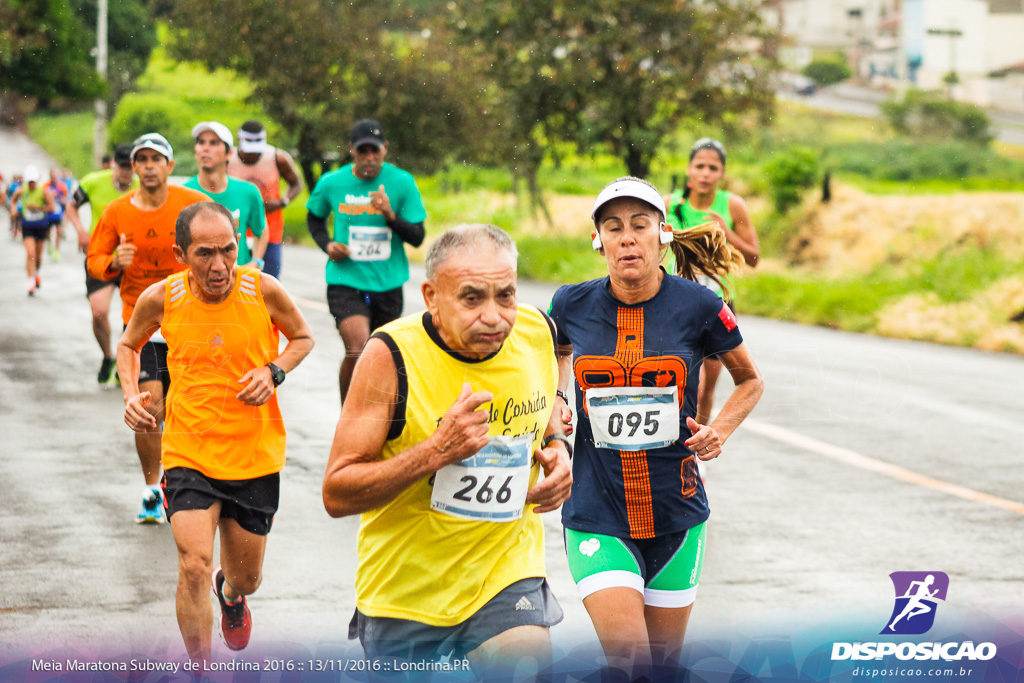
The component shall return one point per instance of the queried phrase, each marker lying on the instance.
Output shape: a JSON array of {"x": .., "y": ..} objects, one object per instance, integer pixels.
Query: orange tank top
[
  {"x": 265, "y": 175},
  {"x": 209, "y": 348}
]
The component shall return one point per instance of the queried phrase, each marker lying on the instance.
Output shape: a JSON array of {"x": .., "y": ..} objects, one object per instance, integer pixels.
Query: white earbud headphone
[{"x": 665, "y": 235}]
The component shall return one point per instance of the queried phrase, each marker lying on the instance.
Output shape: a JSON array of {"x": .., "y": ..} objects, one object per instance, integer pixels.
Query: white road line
[{"x": 864, "y": 462}]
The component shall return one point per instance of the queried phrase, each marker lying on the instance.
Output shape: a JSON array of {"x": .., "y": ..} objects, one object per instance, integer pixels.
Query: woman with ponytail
[
  {"x": 632, "y": 345},
  {"x": 699, "y": 202}
]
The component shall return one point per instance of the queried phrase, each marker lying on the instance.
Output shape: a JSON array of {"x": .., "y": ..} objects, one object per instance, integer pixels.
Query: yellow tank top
[
  {"x": 417, "y": 561},
  {"x": 209, "y": 348}
]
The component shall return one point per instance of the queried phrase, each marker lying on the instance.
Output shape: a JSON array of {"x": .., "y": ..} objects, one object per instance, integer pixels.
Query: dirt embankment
[{"x": 857, "y": 233}]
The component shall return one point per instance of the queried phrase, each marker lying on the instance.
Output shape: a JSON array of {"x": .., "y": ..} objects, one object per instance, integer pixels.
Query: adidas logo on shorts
[{"x": 525, "y": 604}]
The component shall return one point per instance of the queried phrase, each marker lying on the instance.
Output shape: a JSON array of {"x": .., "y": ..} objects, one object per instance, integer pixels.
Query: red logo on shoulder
[{"x": 727, "y": 318}]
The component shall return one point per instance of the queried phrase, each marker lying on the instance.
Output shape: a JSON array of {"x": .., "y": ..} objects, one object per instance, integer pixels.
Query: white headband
[{"x": 252, "y": 143}]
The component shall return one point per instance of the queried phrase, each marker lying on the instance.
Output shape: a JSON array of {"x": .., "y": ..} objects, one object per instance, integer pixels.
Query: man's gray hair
[{"x": 465, "y": 237}]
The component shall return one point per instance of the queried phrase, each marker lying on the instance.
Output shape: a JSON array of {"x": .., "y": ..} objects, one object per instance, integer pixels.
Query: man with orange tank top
[
  {"x": 265, "y": 166},
  {"x": 224, "y": 442},
  {"x": 133, "y": 239}
]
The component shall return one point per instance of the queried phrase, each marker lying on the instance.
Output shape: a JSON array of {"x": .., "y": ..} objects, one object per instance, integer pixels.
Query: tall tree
[
  {"x": 317, "y": 66},
  {"x": 131, "y": 38},
  {"x": 44, "y": 54},
  {"x": 617, "y": 71}
]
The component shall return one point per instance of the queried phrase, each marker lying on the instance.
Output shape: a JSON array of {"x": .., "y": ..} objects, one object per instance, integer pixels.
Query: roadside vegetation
[{"x": 927, "y": 228}]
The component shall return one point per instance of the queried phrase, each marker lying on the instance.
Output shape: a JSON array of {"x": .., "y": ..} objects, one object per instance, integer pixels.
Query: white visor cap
[
  {"x": 628, "y": 187},
  {"x": 252, "y": 143}
]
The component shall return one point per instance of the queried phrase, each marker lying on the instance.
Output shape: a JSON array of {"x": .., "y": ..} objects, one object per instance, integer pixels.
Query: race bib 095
[{"x": 633, "y": 418}]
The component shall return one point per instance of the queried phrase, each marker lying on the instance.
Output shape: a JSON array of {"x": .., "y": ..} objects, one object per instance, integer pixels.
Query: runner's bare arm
[
  {"x": 76, "y": 222},
  {"x": 259, "y": 248},
  {"x": 259, "y": 382},
  {"x": 286, "y": 167},
  {"x": 145, "y": 320},
  {"x": 743, "y": 236},
  {"x": 748, "y": 390},
  {"x": 357, "y": 478},
  {"x": 102, "y": 244}
]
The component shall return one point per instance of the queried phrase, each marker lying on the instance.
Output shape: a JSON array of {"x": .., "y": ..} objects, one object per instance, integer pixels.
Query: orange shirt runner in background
[
  {"x": 209, "y": 348},
  {"x": 152, "y": 233}
]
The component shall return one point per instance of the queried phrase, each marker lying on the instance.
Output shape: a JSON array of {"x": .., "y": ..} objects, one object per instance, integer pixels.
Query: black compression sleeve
[
  {"x": 318, "y": 229},
  {"x": 413, "y": 233},
  {"x": 79, "y": 197}
]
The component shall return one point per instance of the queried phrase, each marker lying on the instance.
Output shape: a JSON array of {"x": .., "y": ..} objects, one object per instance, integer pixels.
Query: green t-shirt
[
  {"x": 99, "y": 187},
  {"x": 377, "y": 261},
  {"x": 245, "y": 203}
]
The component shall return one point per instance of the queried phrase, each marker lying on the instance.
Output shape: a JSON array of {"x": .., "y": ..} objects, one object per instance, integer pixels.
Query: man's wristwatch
[
  {"x": 557, "y": 437},
  {"x": 562, "y": 395},
  {"x": 258, "y": 262},
  {"x": 276, "y": 374},
  {"x": 285, "y": 201}
]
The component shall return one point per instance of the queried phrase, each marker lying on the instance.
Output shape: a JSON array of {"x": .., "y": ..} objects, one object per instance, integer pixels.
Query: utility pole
[{"x": 99, "y": 140}]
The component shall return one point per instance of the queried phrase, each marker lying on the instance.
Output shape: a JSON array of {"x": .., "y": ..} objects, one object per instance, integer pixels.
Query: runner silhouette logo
[{"x": 917, "y": 597}]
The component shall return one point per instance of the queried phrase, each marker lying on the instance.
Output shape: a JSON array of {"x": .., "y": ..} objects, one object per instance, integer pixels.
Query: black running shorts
[
  {"x": 92, "y": 285},
  {"x": 380, "y": 307},
  {"x": 153, "y": 365},
  {"x": 250, "y": 502}
]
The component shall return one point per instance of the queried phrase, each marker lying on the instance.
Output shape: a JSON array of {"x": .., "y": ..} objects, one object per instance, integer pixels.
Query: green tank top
[
  {"x": 682, "y": 216},
  {"x": 33, "y": 204}
]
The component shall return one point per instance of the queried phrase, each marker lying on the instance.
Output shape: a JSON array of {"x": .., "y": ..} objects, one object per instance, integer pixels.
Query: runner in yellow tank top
[
  {"x": 440, "y": 444},
  {"x": 224, "y": 440}
]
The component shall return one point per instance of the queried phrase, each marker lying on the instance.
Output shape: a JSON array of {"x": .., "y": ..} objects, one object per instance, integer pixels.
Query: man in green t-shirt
[
  {"x": 214, "y": 144},
  {"x": 97, "y": 190},
  {"x": 377, "y": 208}
]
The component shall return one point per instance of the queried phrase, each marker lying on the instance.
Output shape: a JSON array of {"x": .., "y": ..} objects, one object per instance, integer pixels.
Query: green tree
[
  {"x": 131, "y": 37},
  {"x": 789, "y": 173},
  {"x": 317, "y": 66},
  {"x": 615, "y": 71},
  {"x": 44, "y": 54},
  {"x": 929, "y": 116},
  {"x": 827, "y": 71}
]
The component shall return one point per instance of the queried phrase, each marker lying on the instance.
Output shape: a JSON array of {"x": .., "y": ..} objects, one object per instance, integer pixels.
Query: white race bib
[
  {"x": 32, "y": 215},
  {"x": 489, "y": 486},
  {"x": 633, "y": 418},
  {"x": 367, "y": 243}
]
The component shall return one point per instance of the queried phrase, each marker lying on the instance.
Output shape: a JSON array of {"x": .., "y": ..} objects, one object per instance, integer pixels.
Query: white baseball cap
[
  {"x": 31, "y": 174},
  {"x": 155, "y": 142},
  {"x": 629, "y": 187},
  {"x": 218, "y": 129}
]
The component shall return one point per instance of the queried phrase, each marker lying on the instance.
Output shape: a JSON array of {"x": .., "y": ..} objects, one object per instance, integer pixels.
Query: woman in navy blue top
[{"x": 633, "y": 343}]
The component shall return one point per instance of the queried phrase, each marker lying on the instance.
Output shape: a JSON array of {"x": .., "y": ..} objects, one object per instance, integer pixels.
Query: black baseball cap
[
  {"x": 123, "y": 155},
  {"x": 367, "y": 132}
]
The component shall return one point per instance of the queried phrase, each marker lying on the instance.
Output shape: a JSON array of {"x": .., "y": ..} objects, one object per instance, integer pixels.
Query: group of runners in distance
[{"x": 459, "y": 425}]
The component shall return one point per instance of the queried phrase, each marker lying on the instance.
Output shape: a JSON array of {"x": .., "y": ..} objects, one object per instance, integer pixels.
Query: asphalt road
[
  {"x": 1007, "y": 127},
  {"x": 865, "y": 456}
]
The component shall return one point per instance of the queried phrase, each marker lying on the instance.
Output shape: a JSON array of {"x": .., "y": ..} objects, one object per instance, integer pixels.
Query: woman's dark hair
[{"x": 703, "y": 143}]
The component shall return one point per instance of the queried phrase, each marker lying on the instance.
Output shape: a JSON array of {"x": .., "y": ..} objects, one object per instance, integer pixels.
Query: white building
[{"x": 896, "y": 43}]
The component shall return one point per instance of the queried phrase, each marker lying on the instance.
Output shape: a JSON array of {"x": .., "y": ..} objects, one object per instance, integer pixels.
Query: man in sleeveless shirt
[
  {"x": 265, "y": 166},
  {"x": 224, "y": 446},
  {"x": 439, "y": 446}
]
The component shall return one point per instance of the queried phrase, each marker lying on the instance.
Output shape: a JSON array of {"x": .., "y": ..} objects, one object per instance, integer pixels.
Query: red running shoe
[{"x": 235, "y": 620}]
